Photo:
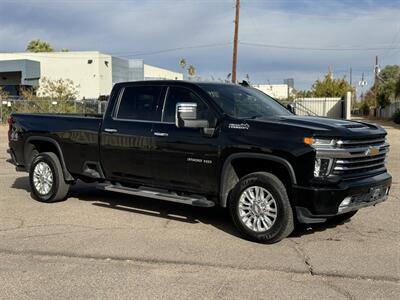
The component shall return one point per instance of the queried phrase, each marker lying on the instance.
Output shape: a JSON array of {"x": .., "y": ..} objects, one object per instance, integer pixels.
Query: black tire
[
  {"x": 59, "y": 188},
  {"x": 283, "y": 224},
  {"x": 339, "y": 219}
]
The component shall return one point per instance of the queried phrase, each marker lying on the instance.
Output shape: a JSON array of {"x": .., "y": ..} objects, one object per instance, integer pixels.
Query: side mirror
[
  {"x": 186, "y": 116},
  {"x": 291, "y": 108}
]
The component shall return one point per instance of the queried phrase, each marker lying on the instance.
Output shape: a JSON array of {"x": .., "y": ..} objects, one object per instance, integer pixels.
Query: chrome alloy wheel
[
  {"x": 257, "y": 209},
  {"x": 42, "y": 178}
]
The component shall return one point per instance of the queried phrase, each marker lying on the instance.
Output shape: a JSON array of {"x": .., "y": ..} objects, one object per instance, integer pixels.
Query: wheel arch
[
  {"x": 45, "y": 144},
  {"x": 230, "y": 176}
]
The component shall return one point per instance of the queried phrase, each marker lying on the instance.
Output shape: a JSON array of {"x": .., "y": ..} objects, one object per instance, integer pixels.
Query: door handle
[
  {"x": 110, "y": 130},
  {"x": 160, "y": 134}
]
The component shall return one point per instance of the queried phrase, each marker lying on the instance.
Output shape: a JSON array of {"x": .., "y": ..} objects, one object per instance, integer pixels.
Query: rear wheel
[
  {"x": 47, "y": 179},
  {"x": 260, "y": 208}
]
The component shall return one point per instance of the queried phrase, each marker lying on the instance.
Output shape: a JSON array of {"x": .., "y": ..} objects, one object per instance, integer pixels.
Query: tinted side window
[
  {"x": 139, "y": 103},
  {"x": 176, "y": 95}
]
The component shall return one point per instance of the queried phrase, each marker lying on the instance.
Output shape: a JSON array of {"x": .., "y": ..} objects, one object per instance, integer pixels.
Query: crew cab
[{"x": 209, "y": 144}]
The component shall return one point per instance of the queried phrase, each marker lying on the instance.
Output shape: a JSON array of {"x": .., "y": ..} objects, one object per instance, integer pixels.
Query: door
[
  {"x": 185, "y": 158},
  {"x": 127, "y": 140}
]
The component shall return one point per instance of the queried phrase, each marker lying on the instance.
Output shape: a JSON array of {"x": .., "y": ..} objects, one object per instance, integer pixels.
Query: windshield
[{"x": 243, "y": 102}]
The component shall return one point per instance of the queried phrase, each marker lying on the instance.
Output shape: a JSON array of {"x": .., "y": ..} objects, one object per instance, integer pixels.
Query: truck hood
[{"x": 321, "y": 126}]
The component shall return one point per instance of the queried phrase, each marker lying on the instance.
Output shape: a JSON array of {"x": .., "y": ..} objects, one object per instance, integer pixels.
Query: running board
[{"x": 194, "y": 200}]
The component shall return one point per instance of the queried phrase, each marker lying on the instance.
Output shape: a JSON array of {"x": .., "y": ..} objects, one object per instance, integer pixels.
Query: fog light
[
  {"x": 345, "y": 203},
  {"x": 322, "y": 167}
]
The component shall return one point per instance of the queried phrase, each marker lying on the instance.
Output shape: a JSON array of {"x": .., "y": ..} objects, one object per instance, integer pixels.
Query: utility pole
[
  {"x": 376, "y": 82},
  {"x": 235, "y": 41},
  {"x": 351, "y": 76},
  {"x": 362, "y": 83},
  {"x": 376, "y": 71},
  {"x": 351, "y": 85}
]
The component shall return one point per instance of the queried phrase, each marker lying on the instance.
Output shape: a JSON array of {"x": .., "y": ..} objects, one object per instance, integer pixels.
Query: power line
[
  {"x": 122, "y": 54},
  {"x": 314, "y": 48},
  {"x": 393, "y": 43},
  {"x": 144, "y": 53}
]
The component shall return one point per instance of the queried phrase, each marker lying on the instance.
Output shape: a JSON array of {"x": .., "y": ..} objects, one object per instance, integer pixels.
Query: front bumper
[{"x": 316, "y": 204}]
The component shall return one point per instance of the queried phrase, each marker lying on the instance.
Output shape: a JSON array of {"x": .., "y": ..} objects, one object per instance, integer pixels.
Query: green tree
[
  {"x": 190, "y": 69},
  {"x": 28, "y": 93},
  {"x": 39, "y": 46},
  {"x": 397, "y": 91},
  {"x": 60, "y": 89},
  {"x": 330, "y": 87},
  {"x": 303, "y": 94},
  {"x": 3, "y": 94},
  {"x": 183, "y": 63},
  {"x": 387, "y": 88}
]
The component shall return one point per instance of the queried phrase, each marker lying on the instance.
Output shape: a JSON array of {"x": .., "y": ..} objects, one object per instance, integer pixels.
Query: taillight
[{"x": 10, "y": 120}]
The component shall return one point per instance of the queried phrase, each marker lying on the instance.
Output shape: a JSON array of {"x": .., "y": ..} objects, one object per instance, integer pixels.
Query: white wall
[
  {"x": 94, "y": 79},
  {"x": 324, "y": 107},
  {"x": 151, "y": 72},
  {"x": 278, "y": 91}
]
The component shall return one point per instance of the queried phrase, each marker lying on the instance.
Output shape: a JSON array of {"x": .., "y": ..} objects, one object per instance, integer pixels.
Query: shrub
[
  {"x": 364, "y": 108},
  {"x": 396, "y": 116}
]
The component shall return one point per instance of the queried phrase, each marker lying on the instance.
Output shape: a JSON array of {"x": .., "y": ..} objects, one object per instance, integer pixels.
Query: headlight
[
  {"x": 324, "y": 142},
  {"x": 316, "y": 142},
  {"x": 322, "y": 167}
]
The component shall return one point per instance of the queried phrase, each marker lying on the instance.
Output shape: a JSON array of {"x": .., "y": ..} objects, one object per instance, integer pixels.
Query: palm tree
[{"x": 39, "y": 46}]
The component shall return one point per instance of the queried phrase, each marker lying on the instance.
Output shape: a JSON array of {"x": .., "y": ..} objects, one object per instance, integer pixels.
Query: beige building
[
  {"x": 94, "y": 72},
  {"x": 277, "y": 91}
]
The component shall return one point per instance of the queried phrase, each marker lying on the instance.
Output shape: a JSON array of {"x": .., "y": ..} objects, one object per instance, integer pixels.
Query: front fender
[{"x": 229, "y": 178}]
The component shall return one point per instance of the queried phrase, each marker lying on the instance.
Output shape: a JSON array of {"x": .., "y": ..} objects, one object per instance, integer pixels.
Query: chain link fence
[{"x": 87, "y": 106}]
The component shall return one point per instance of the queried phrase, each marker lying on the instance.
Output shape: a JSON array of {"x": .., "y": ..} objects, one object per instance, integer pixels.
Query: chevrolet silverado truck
[{"x": 209, "y": 144}]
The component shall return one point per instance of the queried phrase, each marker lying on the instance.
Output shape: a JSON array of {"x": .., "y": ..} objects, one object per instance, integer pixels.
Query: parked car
[{"x": 209, "y": 144}]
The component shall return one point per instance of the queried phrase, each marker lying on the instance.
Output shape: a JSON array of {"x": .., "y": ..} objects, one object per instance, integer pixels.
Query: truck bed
[{"x": 76, "y": 134}]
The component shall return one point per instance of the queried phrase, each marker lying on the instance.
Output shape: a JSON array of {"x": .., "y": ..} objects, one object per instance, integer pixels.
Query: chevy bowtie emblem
[{"x": 372, "y": 151}]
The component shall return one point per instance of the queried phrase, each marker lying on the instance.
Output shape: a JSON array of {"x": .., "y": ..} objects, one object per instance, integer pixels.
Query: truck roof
[{"x": 175, "y": 82}]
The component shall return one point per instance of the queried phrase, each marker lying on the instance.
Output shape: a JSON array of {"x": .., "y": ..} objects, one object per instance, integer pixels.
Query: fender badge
[{"x": 243, "y": 126}]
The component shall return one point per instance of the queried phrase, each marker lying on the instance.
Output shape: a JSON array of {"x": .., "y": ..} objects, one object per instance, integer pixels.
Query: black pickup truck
[{"x": 208, "y": 144}]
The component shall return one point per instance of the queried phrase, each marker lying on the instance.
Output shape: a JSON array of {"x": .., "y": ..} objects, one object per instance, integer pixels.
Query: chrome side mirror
[
  {"x": 290, "y": 107},
  {"x": 186, "y": 116}
]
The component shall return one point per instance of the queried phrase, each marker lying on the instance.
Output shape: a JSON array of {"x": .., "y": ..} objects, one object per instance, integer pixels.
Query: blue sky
[{"x": 279, "y": 39}]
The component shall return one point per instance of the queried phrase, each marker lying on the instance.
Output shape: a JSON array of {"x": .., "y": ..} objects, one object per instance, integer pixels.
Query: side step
[{"x": 194, "y": 200}]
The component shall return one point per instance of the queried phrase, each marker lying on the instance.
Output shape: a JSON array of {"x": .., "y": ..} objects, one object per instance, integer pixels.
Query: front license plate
[{"x": 377, "y": 192}]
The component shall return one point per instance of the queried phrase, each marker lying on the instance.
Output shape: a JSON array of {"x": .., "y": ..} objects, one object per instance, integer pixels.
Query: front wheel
[
  {"x": 260, "y": 208},
  {"x": 47, "y": 179}
]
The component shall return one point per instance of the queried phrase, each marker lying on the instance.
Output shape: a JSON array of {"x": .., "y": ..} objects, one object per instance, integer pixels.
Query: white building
[
  {"x": 277, "y": 91},
  {"x": 94, "y": 72}
]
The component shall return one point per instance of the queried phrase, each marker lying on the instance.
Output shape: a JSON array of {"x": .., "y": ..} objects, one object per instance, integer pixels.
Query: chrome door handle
[
  {"x": 160, "y": 134},
  {"x": 110, "y": 130}
]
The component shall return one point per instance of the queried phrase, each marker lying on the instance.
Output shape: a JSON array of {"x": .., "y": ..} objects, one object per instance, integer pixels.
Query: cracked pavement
[{"x": 103, "y": 245}]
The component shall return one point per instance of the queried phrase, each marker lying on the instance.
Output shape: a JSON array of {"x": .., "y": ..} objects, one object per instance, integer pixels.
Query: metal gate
[{"x": 323, "y": 107}]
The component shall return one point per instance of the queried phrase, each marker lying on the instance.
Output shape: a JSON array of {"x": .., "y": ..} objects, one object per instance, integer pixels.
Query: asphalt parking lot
[{"x": 105, "y": 245}]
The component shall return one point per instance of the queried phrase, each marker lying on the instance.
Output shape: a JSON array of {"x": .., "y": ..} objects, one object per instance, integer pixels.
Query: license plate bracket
[{"x": 377, "y": 192}]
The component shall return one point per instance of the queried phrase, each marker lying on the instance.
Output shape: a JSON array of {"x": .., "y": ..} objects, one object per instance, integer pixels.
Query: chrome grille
[
  {"x": 360, "y": 157},
  {"x": 361, "y": 142}
]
